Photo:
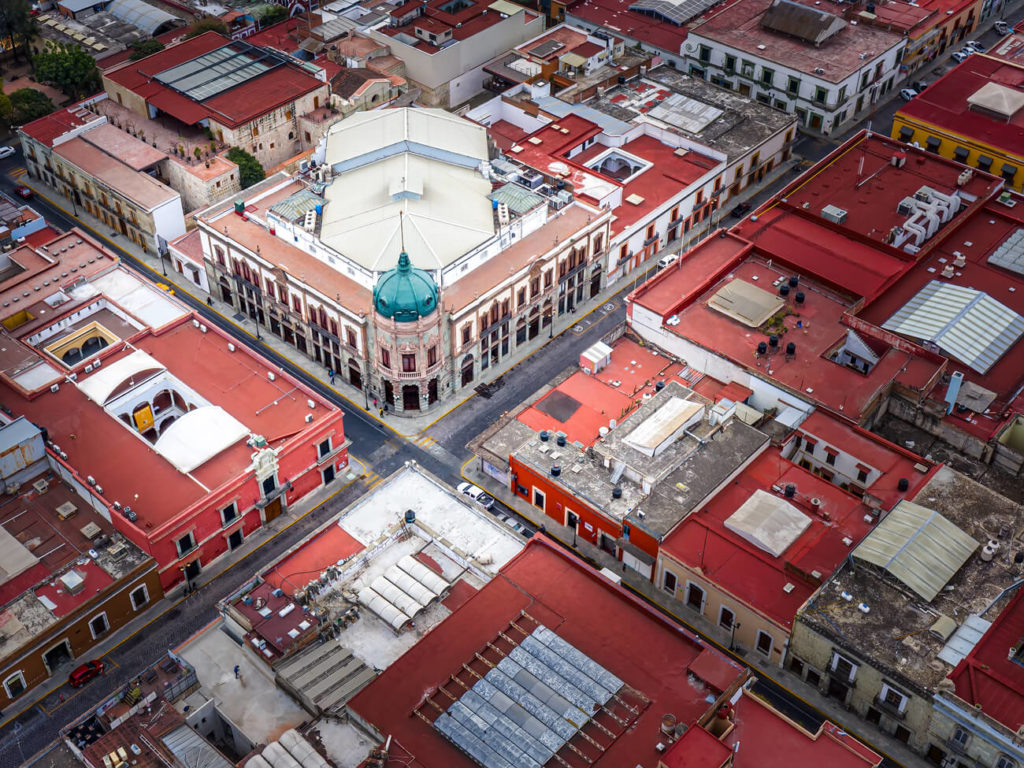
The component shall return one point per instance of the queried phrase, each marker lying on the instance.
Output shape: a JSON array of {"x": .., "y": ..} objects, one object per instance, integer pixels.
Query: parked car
[
  {"x": 960, "y": 56},
  {"x": 23, "y": 192},
  {"x": 907, "y": 94},
  {"x": 477, "y": 495},
  {"x": 6, "y": 151},
  {"x": 666, "y": 261},
  {"x": 975, "y": 46},
  {"x": 920, "y": 85},
  {"x": 83, "y": 674},
  {"x": 1002, "y": 28},
  {"x": 739, "y": 210}
]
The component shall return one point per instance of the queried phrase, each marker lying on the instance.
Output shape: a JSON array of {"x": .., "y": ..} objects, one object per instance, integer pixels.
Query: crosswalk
[
  {"x": 17, "y": 173},
  {"x": 371, "y": 479},
  {"x": 423, "y": 441}
]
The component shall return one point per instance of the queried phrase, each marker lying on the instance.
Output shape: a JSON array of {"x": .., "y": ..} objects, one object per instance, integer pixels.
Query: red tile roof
[
  {"x": 988, "y": 677},
  {"x": 552, "y": 587},
  {"x": 944, "y": 104},
  {"x": 311, "y": 558},
  {"x": 56, "y": 124},
  {"x": 696, "y": 748},
  {"x": 616, "y": 16}
]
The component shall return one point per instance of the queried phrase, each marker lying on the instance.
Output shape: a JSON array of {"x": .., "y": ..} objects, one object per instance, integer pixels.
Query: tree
[
  {"x": 249, "y": 169},
  {"x": 69, "y": 68},
  {"x": 30, "y": 104},
  {"x": 17, "y": 25},
  {"x": 271, "y": 14},
  {"x": 143, "y": 48},
  {"x": 6, "y": 110},
  {"x": 208, "y": 24}
]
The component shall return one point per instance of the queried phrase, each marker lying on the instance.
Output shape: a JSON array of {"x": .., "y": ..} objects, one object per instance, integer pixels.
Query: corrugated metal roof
[
  {"x": 968, "y": 324},
  {"x": 964, "y": 639},
  {"x": 299, "y": 204},
  {"x": 917, "y": 546},
  {"x": 801, "y": 21},
  {"x": 193, "y": 750},
  {"x": 146, "y": 17},
  {"x": 518, "y": 198}
]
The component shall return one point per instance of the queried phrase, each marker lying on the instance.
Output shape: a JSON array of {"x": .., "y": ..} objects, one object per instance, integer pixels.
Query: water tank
[
  {"x": 543, "y": 435},
  {"x": 319, "y": 209},
  {"x": 903, "y": 484},
  {"x": 494, "y": 205},
  {"x": 791, "y": 348},
  {"x": 616, "y": 492},
  {"x": 794, "y": 281},
  {"x": 799, "y": 297},
  {"x": 773, "y": 341},
  {"x": 762, "y": 348},
  {"x": 784, "y": 290},
  {"x": 622, "y": 79},
  {"x": 659, "y": 386},
  {"x": 790, "y": 491},
  {"x": 410, "y": 516},
  {"x": 556, "y": 470},
  {"x": 560, "y": 440}
]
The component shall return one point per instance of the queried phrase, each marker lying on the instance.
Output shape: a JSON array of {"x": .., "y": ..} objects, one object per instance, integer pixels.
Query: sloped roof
[
  {"x": 745, "y": 302},
  {"x": 809, "y": 24},
  {"x": 199, "y": 435},
  {"x": 146, "y": 17},
  {"x": 966, "y": 323},
  {"x": 768, "y": 522},
  {"x": 917, "y": 546},
  {"x": 997, "y": 98}
]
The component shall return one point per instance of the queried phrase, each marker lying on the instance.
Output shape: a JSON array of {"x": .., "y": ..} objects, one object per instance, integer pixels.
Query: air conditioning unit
[
  {"x": 118, "y": 550},
  {"x": 41, "y": 486},
  {"x": 66, "y": 510}
]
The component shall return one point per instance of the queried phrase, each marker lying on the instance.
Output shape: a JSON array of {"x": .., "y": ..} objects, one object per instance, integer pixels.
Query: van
[{"x": 666, "y": 261}]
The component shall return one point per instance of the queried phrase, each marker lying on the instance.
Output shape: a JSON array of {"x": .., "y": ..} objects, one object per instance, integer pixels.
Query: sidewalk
[
  {"x": 407, "y": 426},
  {"x": 880, "y": 740},
  {"x": 176, "y": 596}
]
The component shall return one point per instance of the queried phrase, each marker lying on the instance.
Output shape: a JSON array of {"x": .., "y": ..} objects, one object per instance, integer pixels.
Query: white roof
[
  {"x": 768, "y": 522},
  {"x": 198, "y": 436},
  {"x": 15, "y": 557},
  {"x": 659, "y": 429},
  {"x": 411, "y": 169},
  {"x": 150, "y": 305},
  {"x": 101, "y": 385},
  {"x": 968, "y": 324},
  {"x": 745, "y": 302},
  {"x": 997, "y": 98}
]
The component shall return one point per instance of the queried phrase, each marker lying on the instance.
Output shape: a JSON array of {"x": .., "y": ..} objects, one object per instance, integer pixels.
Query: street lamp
[{"x": 732, "y": 635}]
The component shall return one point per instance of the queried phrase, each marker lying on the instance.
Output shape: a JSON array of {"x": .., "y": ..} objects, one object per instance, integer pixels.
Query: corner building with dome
[{"x": 399, "y": 260}]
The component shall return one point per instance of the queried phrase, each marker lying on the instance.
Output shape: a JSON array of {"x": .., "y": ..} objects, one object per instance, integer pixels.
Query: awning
[
  {"x": 627, "y": 546},
  {"x": 961, "y": 153},
  {"x": 906, "y": 133},
  {"x": 573, "y": 60},
  {"x": 984, "y": 162}
]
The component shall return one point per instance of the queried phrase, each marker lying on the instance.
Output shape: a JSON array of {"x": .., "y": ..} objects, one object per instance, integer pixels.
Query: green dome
[{"x": 405, "y": 293}]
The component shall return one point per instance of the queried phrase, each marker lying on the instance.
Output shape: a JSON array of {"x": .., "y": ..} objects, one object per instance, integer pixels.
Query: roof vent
[
  {"x": 834, "y": 214},
  {"x": 73, "y": 582}
]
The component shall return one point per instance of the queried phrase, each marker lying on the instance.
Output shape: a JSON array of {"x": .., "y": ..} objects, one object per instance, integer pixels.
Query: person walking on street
[
  {"x": 330, "y": 373},
  {"x": 237, "y": 675}
]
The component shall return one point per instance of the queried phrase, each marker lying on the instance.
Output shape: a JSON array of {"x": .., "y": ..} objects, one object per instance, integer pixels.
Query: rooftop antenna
[{"x": 401, "y": 228}]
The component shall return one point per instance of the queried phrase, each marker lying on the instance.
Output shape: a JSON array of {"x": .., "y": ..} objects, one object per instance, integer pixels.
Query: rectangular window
[
  {"x": 820, "y": 95},
  {"x": 764, "y": 642},
  {"x": 432, "y": 357},
  {"x": 139, "y": 596},
  {"x": 538, "y": 499},
  {"x": 229, "y": 514},
  {"x": 186, "y": 544},
  {"x": 99, "y": 625},
  {"x": 793, "y": 86},
  {"x": 521, "y": 297},
  {"x": 842, "y": 95},
  {"x": 862, "y": 476},
  {"x": 324, "y": 448},
  {"x": 15, "y": 685},
  {"x": 730, "y": 64},
  {"x": 830, "y": 458},
  {"x": 843, "y": 668},
  {"x": 768, "y": 76},
  {"x": 669, "y": 582},
  {"x": 726, "y": 618},
  {"x": 269, "y": 484},
  {"x": 705, "y": 54},
  {"x": 385, "y": 358},
  {"x": 408, "y": 363},
  {"x": 467, "y": 331},
  {"x": 893, "y": 698},
  {"x": 350, "y": 337}
]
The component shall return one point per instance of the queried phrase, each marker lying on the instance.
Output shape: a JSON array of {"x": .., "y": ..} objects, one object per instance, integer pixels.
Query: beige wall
[
  {"x": 378, "y": 92},
  {"x": 816, "y": 653},
  {"x": 750, "y": 622},
  {"x": 128, "y": 98},
  {"x": 982, "y": 740},
  {"x": 196, "y": 192}
]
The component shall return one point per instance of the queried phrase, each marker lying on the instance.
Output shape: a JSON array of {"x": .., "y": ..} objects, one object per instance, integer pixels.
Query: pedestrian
[
  {"x": 330, "y": 373},
  {"x": 375, "y": 402},
  {"x": 236, "y": 671},
  {"x": 380, "y": 411},
  {"x": 385, "y": 406},
  {"x": 209, "y": 301}
]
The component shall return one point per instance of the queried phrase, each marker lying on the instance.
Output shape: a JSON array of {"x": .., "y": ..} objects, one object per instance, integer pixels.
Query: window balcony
[{"x": 891, "y": 710}]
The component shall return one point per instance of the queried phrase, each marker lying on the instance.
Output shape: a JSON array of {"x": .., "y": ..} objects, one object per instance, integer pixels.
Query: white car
[
  {"x": 1002, "y": 27},
  {"x": 667, "y": 261},
  {"x": 477, "y": 495},
  {"x": 6, "y": 151},
  {"x": 975, "y": 46},
  {"x": 907, "y": 94},
  {"x": 960, "y": 56}
]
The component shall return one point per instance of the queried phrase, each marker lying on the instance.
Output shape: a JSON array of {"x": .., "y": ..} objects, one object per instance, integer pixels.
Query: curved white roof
[
  {"x": 146, "y": 17},
  {"x": 100, "y": 386},
  {"x": 198, "y": 436},
  {"x": 406, "y": 168}
]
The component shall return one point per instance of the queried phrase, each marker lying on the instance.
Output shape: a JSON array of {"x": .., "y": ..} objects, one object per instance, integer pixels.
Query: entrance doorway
[
  {"x": 57, "y": 656},
  {"x": 192, "y": 570},
  {"x": 431, "y": 391},
  {"x": 411, "y": 397},
  {"x": 837, "y": 689},
  {"x": 272, "y": 510},
  {"x": 389, "y": 393},
  {"x": 235, "y": 539},
  {"x": 328, "y": 474},
  {"x": 355, "y": 377},
  {"x": 467, "y": 369}
]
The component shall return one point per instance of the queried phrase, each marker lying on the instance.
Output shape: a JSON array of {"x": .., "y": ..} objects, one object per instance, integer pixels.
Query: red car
[
  {"x": 23, "y": 192},
  {"x": 86, "y": 672}
]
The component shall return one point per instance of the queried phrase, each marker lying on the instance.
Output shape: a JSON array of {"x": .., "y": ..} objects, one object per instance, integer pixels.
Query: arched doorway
[
  {"x": 355, "y": 376},
  {"x": 389, "y": 392},
  {"x": 534, "y": 328},
  {"x": 410, "y": 397},
  {"x": 432, "y": 391},
  {"x": 467, "y": 370}
]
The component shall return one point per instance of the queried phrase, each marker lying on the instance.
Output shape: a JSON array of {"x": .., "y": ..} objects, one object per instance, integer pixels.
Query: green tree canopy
[
  {"x": 69, "y": 68},
  {"x": 143, "y": 48},
  {"x": 17, "y": 25},
  {"x": 30, "y": 104},
  {"x": 208, "y": 24},
  {"x": 271, "y": 14},
  {"x": 249, "y": 169},
  {"x": 6, "y": 110}
]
